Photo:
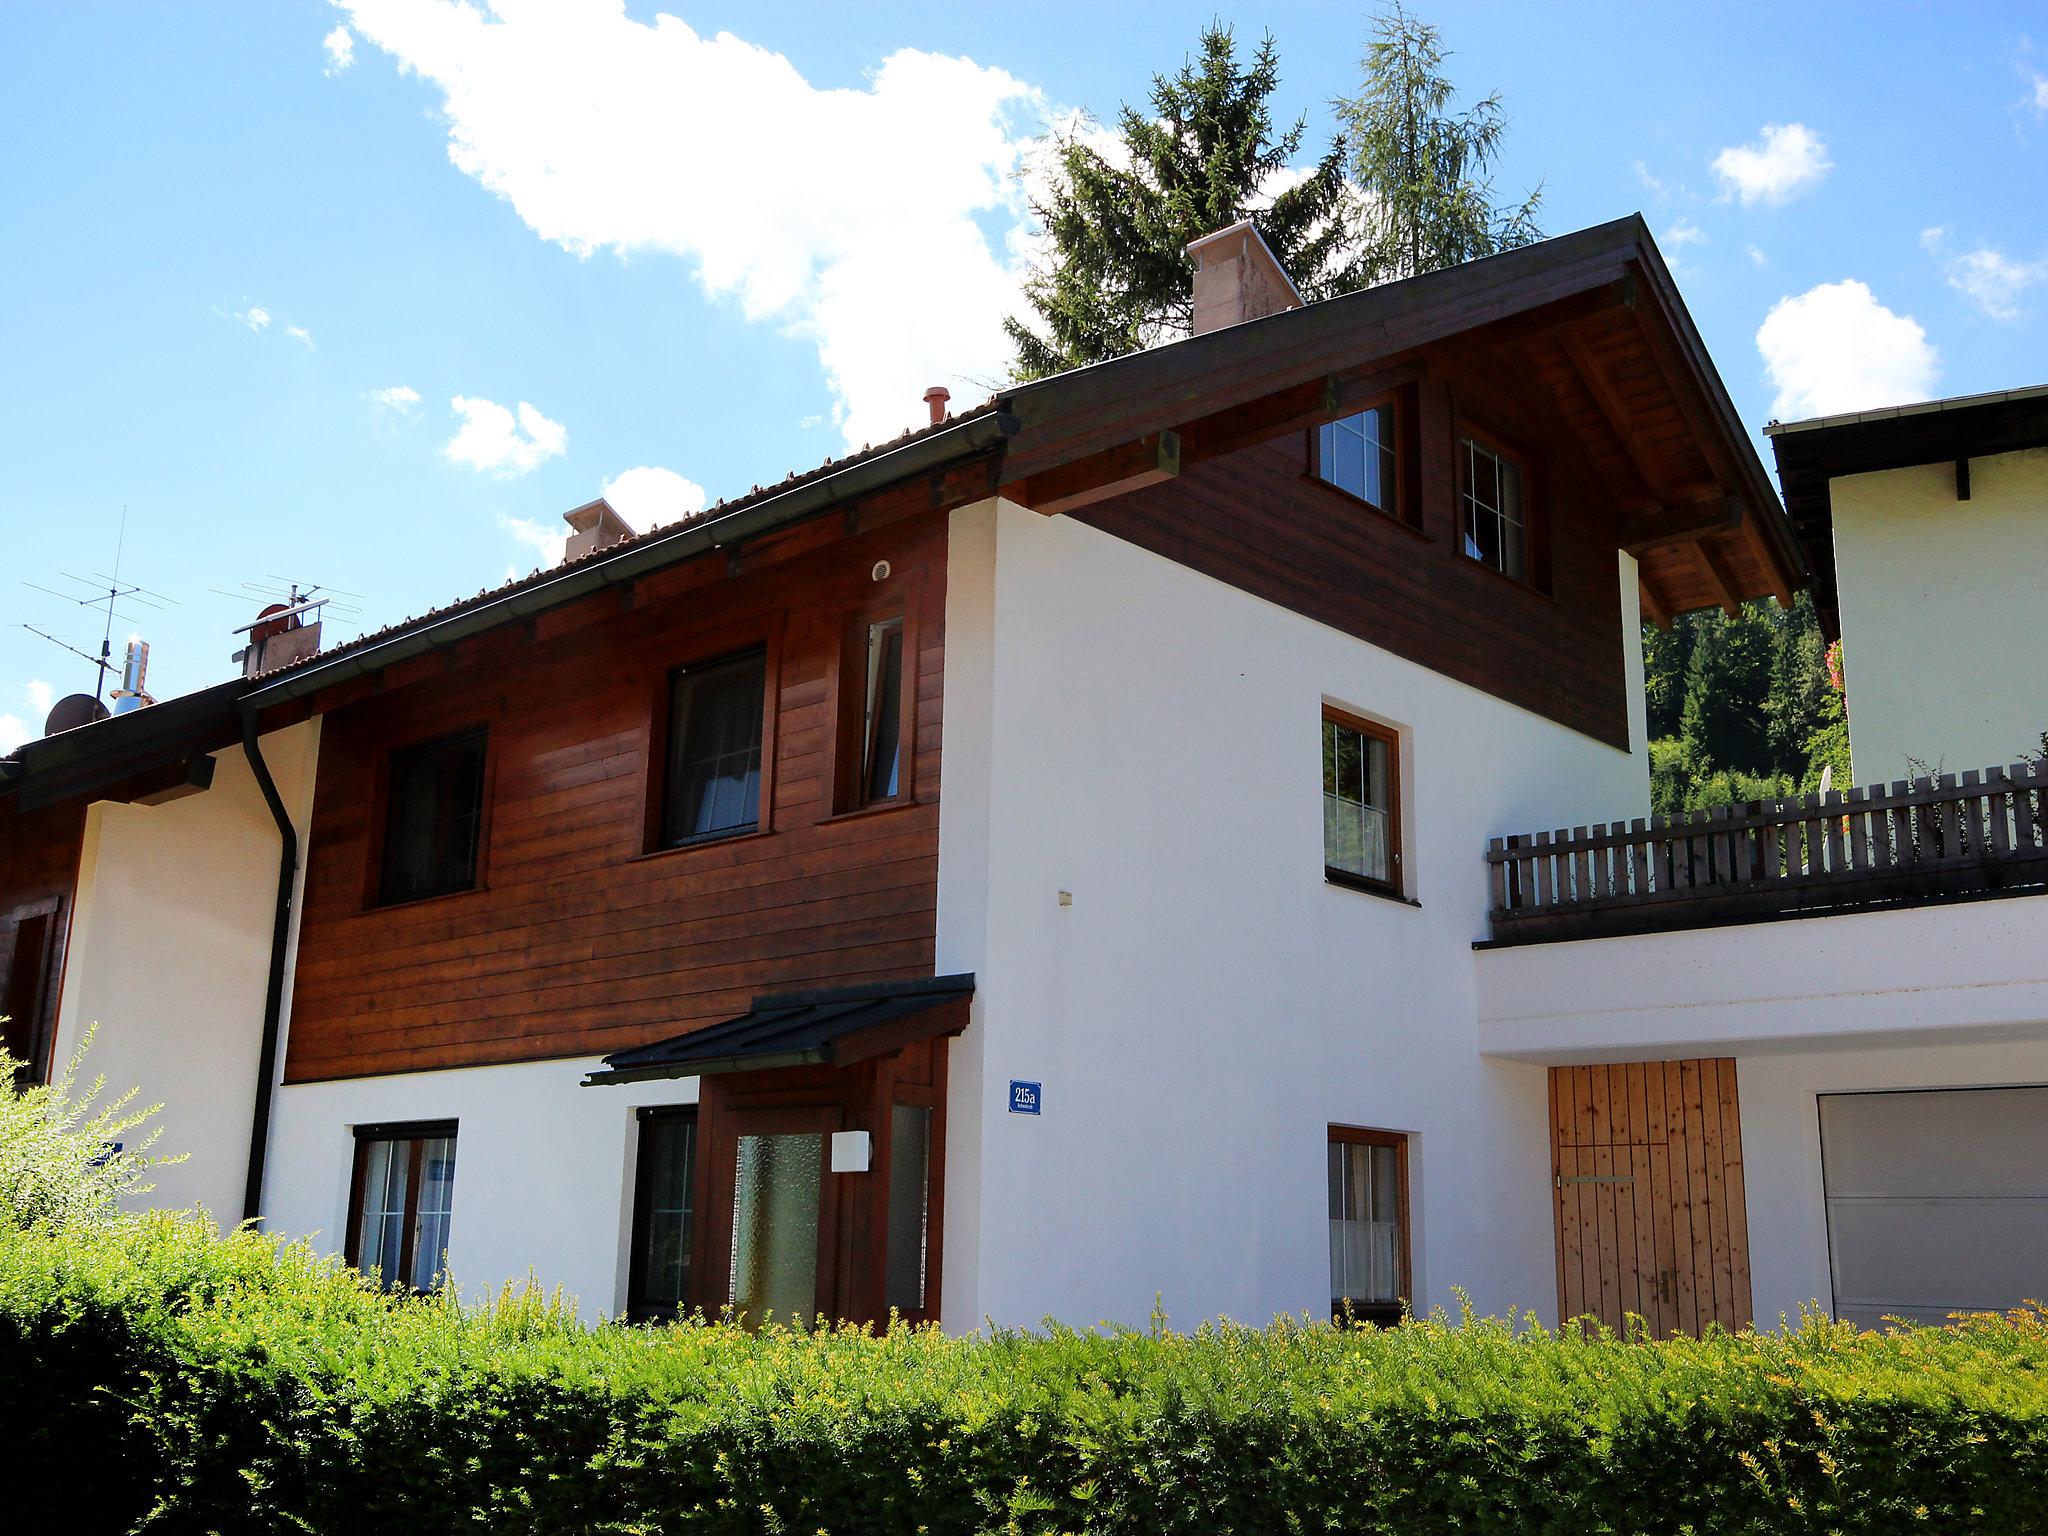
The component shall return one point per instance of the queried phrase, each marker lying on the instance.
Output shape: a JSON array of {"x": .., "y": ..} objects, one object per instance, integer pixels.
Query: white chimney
[
  {"x": 595, "y": 526},
  {"x": 1237, "y": 277},
  {"x": 132, "y": 695}
]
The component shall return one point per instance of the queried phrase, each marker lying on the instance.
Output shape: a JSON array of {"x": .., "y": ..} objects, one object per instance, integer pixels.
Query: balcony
[{"x": 1951, "y": 837}]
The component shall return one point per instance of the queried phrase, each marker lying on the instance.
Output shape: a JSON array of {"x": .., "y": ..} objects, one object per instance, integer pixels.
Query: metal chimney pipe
[{"x": 935, "y": 400}]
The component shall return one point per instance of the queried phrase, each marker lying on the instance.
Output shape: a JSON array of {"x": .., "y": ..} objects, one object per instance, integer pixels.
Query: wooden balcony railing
[{"x": 1958, "y": 834}]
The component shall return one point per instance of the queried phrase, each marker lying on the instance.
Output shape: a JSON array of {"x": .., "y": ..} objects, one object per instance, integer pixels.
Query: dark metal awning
[{"x": 835, "y": 1027}]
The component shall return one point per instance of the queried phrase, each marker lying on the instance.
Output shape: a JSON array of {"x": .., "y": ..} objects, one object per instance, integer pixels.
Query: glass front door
[{"x": 773, "y": 1165}]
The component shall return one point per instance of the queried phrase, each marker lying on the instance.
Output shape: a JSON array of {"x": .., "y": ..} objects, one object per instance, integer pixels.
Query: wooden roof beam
[
  {"x": 1613, "y": 411},
  {"x": 1681, "y": 525},
  {"x": 1653, "y": 603},
  {"x": 1098, "y": 477},
  {"x": 1720, "y": 579},
  {"x": 1562, "y": 314}
]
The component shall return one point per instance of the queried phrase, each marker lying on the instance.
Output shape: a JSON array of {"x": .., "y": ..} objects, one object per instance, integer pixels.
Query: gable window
[
  {"x": 663, "y": 1209},
  {"x": 714, "y": 749},
  {"x": 1361, "y": 807},
  {"x": 433, "y": 815},
  {"x": 402, "y": 1202},
  {"x": 1492, "y": 508},
  {"x": 1369, "y": 1265},
  {"x": 881, "y": 772},
  {"x": 1356, "y": 454}
]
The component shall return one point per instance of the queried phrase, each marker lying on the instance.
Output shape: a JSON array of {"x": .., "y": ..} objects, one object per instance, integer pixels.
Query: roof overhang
[
  {"x": 835, "y": 1027},
  {"x": 1813, "y": 453},
  {"x": 146, "y": 751}
]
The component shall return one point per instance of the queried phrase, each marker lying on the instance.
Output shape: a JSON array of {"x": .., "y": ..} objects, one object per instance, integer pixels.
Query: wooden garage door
[{"x": 1646, "y": 1164}]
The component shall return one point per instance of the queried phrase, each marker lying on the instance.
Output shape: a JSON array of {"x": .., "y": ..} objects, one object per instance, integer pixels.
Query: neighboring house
[{"x": 1041, "y": 865}]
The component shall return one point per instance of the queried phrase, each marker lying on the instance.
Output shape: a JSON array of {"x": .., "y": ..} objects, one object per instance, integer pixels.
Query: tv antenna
[
  {"x": 106, "y": 591},
  {"x": 294, "y": 598}
]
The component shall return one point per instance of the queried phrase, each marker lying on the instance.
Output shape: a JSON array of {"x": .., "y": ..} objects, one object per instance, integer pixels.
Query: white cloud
[
  {"x": 1684, "y": 233},
  {"x": 341, "y": 50},
  {"x": 1987, "y": 277},
  {"x": 1756, "y": 255},
  {"x": 12, "y": 733},
  {"x": 544, "y": 540},
  {"x": 491, "y": 439},
  {"x": 256, "y": 317},
  {"x": 649, "y": 496},
  {"x": 1790, "y": 158},
  {"x": 301, "y": 334},
  {"x": 2039, "y": 84},
  {"x": 397, "y": 403},
  {"x": 851, "y": 217},
  {"x": 1835, "y": 348},
  {"x": 40, "y": 696}
]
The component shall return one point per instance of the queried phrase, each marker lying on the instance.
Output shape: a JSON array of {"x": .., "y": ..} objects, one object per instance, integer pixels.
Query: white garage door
[{"x": 1937, "y": 1202}]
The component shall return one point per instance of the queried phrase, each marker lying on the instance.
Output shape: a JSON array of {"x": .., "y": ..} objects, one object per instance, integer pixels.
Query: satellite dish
[
  {"x": 269, "y": 624},
  {"x": 72, "y": 711}
]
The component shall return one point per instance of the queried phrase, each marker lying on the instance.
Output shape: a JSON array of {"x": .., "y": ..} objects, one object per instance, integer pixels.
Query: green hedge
[{"x": 207, "y": 1384}]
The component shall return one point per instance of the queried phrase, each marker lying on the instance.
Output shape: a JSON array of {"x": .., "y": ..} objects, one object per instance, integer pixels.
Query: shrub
[
  {"x": 65, "y": 1157},
  {"x": 241, "y": 1384}
]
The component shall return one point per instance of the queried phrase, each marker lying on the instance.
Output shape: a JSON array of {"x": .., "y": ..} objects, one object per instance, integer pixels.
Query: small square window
[
  {"x": 1369, "y": 1262},
  {"x": 1356, "y": 454},
  {"x": 402, "y": 1203},
  {"x": 1492, "y": 509},
  {"x": 714, "y": 750},
  {"x": 433, "y": 815},
  {"x": 1361, "y": 809}
]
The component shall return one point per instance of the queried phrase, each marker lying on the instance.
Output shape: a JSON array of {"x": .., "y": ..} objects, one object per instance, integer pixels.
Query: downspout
[{"x": 273, "y": 997}]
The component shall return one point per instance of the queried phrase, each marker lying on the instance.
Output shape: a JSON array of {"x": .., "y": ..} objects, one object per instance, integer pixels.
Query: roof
[
  {"x": 1811, "y": 454},
  {"x": 833, "y": 1027},
  {"x": 107, "y": 752}
]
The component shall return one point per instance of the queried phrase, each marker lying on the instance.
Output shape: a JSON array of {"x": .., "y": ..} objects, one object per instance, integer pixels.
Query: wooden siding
[
  {"x": 1647, "y": 1193},
  {"x": 1258, "y": 519},
  {"x": 578, "y": 940}
]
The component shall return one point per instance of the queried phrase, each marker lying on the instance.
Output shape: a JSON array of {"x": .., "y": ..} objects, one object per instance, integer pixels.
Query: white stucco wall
[
  {"x": 1207, "y": 1005},
  {"x": 1788, "y": 1241},
  {"x": 1937, "y": 599},
  {"x": 543, "y": 1168},
  {"x": 170, "y": 954},
  {"x": 1968, "y": 970}
]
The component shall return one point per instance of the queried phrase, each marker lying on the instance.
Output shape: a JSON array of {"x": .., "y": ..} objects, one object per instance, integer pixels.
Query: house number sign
[{"x": 1024, "y": 1098}]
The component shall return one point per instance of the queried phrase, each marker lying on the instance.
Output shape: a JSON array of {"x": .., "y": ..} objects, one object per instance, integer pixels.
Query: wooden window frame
[
  {"x": 1535, "y": 575},
  {"x": 418, "y": 1133},
  {"x": 380, "y": 816},
  {"x": 37, "y": 1067},
  {"x": 1397, "y": 887},
  {"x": 1405, "y": 506},
  {"x": 661, "y": 739},
  {"x": 849, "y": 766},
  {"x": 1365, "y": 1136},
  {"x": 638, "y": 1309}
]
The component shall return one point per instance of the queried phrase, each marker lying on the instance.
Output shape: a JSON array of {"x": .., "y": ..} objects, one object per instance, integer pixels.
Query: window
[
  {"x": 663, "y": 1208},
  {"x": 1492, "y": 508},
  {"x": 433, "y": 816},
  {"x": 881, "y": 760},
  {"x": 1368, "y": 1224},
  {"x": 401, "y": 1203},
  {"x": 714, "y": 750},
  {"x": 1356, "y": 454},
  {"x": 910, "y": 1160},
  {"x": 1361, "y": 810},
  {"x": 28, "y": 965}
]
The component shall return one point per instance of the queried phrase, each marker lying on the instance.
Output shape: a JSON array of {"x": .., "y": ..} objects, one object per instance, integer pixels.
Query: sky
[{"x": 367, "y": 294}]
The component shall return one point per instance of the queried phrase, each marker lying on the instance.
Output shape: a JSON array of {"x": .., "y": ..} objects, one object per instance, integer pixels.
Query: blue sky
[{"x": 370, "y": 294}]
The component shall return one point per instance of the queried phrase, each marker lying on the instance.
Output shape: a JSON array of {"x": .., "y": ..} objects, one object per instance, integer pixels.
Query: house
[{"x": 1069, "y": 857}]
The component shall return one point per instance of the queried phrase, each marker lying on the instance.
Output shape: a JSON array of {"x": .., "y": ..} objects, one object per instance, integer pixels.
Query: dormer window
[
  {"x": 1493, "y": 508},
  {"x": 1356, "y": 455}
]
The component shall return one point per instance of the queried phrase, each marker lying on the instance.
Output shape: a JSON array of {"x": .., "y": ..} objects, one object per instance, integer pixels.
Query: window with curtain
[
  {"x": 663, "y": 1209},
  {"x": 1368, "y": 1224},
  {"x": 1361, "y": 827},
  {"x": 882, "y": 713},
  {"x": 1356, "y": 454},
  {"x": 1491, "y": 504},
  {"x": 433, "y": 815},
  {"x": 403, "y": 1202},
  {"x": 714, "y": 750}
]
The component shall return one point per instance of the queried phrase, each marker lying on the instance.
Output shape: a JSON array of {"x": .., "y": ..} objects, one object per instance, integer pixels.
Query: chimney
[
  {"x": 282, "y": 634},
  {"x": 595, "y": 526},
  {"x": 1237, "y": 277},
  {"x": 935, "y": 400},
  {"x": 130, "y": 696}
]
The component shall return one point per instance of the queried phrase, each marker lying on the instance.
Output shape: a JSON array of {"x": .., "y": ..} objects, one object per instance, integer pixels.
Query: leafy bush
[
  {"x": 66, "y": 1158},
  {"x": 240, "y": 1384}
]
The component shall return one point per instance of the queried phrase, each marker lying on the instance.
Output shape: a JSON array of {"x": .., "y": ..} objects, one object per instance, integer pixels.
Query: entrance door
[
  {"x": 1937, "y": 1201},
  {"x": 1646, "y": 1174},
  {"x": 775, "y": 1259}
]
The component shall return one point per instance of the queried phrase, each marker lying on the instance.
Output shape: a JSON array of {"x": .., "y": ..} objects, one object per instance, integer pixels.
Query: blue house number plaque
[{"x": 1024, "y": 1098}]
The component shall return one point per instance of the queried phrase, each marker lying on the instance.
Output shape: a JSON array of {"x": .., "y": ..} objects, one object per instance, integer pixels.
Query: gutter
[
  {"x": 273, "y": 997},
  {"x": 926, "y": 454}
]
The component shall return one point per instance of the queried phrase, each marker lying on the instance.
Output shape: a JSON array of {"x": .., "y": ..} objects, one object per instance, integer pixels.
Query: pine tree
[
  {"x": 1422, "y": 170},
  {"x": 1200, "y": 155}
]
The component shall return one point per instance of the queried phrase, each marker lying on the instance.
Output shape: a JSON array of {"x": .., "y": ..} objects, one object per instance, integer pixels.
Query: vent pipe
[{"x": 935, "y": 400}]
